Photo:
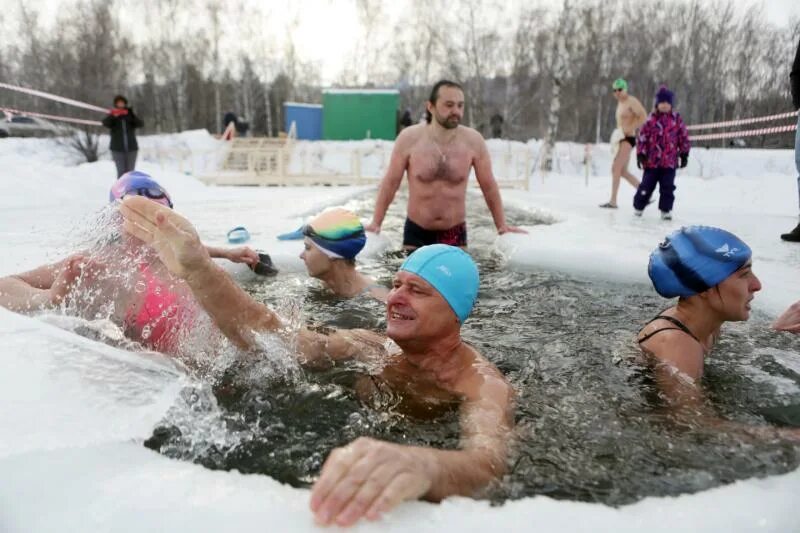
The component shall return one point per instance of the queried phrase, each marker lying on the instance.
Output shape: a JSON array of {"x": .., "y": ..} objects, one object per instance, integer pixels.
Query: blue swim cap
[
  {"x": 139, "y": 184},
  {"x": 694, "y": 259},
  {"x": 451, "y": 271}
]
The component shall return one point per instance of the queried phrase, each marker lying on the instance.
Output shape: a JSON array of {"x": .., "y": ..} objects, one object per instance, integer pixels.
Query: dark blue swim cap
[{"x": 694, "y": 259}]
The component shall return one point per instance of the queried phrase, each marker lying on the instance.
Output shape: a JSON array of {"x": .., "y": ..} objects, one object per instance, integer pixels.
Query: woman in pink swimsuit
[{"x": 152, "y": 307}]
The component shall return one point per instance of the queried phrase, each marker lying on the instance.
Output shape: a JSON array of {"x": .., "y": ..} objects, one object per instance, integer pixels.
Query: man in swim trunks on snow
[
  {"x": 438, "y": 157},
  {"x": 421, "y": 360},
  {"x": 630, "y": 116}
]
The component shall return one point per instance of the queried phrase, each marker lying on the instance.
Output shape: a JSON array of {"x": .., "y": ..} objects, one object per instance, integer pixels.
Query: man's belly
[
  {"x": 437, "y": 213},
  {"x": 628, "y": 126}
]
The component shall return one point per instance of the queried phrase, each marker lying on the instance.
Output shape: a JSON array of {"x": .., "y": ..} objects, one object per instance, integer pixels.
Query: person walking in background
[
  {"x": 406, "y": 120},
  {"x": 794, "y": 77},
  {"x": 630, "y": 115},
  {"x": 663, "y": 141},
  {"x": 123, "y": 122},
  {"x": 496, "y": 123}
]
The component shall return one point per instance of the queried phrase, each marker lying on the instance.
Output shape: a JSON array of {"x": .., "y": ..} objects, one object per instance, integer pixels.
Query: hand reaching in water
[
  {"x": 789, "y": 320},
  {"x": 510, "y": 229},
  {"x": 367, "y": 478},
  {"x": 242, "y": 254},
  {"x": 373, "y": 227},
  {"x": 169, "y": 234}
]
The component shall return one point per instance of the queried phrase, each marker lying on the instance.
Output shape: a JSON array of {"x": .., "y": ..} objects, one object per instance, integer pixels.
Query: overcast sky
[{"x": 319, "y": 19}]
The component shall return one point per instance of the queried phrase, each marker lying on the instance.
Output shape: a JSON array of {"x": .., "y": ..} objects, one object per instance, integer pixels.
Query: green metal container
[{"x": 354, "y": 114}]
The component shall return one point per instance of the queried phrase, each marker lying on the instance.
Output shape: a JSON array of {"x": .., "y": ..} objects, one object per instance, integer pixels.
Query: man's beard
[{"x": 447, "y": 123}]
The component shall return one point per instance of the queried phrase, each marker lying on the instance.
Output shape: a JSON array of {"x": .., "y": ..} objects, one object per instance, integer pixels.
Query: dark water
[{"x": 590, "y": 425}]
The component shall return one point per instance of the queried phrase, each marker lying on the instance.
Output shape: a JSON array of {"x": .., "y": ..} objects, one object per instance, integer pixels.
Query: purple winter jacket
[{"x": 662, "y": 139}]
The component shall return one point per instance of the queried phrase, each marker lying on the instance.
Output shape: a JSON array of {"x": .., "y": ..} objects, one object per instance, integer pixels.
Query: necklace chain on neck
[{"x": 438, "y": 148}]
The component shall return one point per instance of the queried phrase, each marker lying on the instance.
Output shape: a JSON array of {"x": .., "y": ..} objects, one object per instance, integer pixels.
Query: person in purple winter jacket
[{"x": 662, "y": 146}]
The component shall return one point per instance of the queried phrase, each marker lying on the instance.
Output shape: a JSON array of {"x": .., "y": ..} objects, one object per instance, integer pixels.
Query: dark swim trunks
[
  {"x": 416, "y": 236},
  {"x": 631, "y": 141}
]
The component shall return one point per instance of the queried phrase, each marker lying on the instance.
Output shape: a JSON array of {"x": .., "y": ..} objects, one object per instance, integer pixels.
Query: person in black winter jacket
[
  {"x": 122, "y": 122},
  {"x": 794, "y": 77}
]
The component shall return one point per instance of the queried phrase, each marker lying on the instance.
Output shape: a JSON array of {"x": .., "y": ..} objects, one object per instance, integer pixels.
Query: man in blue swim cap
[{"x": 427, "y": 366}]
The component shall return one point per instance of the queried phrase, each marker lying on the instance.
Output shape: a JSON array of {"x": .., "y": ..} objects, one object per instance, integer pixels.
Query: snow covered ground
[{"x": 75, "y": 411}]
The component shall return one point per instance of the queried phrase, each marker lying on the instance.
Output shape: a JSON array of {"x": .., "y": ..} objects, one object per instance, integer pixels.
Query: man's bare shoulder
[
  {"x": 470, "y": 134},
  {"x": 634, "y": 102},
  {"x": 411, "y": 134},
  {"x": 472, "y": 139},
  {"x": 483, "y": 376}
]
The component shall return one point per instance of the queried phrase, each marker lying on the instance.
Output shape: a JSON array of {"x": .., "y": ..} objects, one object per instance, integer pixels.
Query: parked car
[{"x": 22, "y": 126}]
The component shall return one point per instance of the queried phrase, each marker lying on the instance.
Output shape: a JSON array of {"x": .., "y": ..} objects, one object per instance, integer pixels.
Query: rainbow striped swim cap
[{"x": 338, "y": 232}]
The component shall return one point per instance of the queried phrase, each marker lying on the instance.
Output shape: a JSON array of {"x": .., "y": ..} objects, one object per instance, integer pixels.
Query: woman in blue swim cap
[{"x": 710, "y": 271}]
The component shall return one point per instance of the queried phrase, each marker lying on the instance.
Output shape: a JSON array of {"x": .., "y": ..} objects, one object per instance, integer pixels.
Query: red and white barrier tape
[
  {"x": 10, "y": 111},
  {"x": 55, "y": 98},
  {"x": 740, "y": 122},
  {"x": 745, "y": 133}
]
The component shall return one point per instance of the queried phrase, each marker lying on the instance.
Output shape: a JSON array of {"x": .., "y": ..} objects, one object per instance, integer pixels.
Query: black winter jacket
[
  {"x": 795, "y": 79},
  {"x": 123, "y": 137}
]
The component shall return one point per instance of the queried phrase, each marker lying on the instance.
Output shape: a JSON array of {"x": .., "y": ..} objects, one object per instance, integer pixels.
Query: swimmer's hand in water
[
  {"x": 367, "y": 478},
  {"x": 502, "y": 230},
  {"x": 242, "y": 254},
  {"x": 169, "y": 234},
  {"x": 789, "y": 320},
  {"x": 373, "y": 227}
]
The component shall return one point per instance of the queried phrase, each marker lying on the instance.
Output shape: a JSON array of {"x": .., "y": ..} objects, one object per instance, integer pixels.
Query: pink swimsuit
[{"x": 161, "y": 317}]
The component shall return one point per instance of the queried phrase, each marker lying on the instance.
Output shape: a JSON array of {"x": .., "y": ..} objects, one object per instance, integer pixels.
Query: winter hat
[
  {"x": 449, "y": 270},
  {"x": 664, "y": 95},
  {"x": 694, "y": 259},
  {"x": 619, "y": 83}
]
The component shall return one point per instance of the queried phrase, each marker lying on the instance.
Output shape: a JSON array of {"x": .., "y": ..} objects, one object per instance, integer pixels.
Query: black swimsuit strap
[{"x": 680, "y": 326}]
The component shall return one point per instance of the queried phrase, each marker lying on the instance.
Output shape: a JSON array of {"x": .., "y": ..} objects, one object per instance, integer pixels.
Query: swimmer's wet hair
[{"x": 435, "y": 94}]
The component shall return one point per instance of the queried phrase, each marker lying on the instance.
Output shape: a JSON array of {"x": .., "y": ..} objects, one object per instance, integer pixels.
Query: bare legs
[{"x": 619, "y": 169}]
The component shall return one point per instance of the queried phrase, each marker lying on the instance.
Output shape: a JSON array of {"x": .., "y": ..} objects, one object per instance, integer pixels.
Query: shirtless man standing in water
[
  {"x": 438, "y": 157},
  {"x": 630, "y": 116}
]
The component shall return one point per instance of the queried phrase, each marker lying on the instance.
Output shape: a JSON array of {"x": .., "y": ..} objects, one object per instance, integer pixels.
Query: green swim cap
[
  {"x": 449, "y": 270},
  {"x": 619, "y": 83}
]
